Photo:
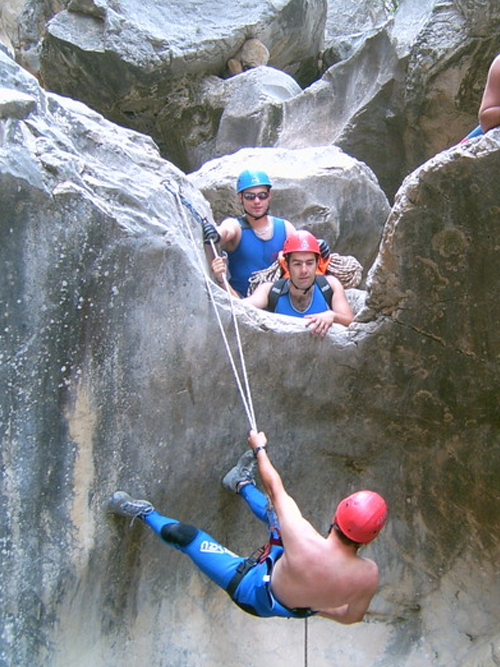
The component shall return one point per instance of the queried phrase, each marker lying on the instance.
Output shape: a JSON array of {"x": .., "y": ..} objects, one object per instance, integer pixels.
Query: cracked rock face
[
  {"x": 137, "y": 62},
  {"x": 113, "y": 375}
]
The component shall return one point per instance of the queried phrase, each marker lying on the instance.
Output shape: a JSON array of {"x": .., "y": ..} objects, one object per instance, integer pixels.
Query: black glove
[
  {"x": 324, "y": 248},
  {"x": 209, "y": 233}
]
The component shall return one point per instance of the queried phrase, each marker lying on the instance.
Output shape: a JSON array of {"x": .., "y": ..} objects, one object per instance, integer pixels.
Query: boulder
[
  {"x": 409, "y": 91},
  {"x": 320, "y": 189},
  {"x": 22, "y": 25},
  {"x": 253, "y": 53},
  {"x": 128, "y": 59},
  {"x": 348, "y": 24},
  {"x": 222, "y": 115}
]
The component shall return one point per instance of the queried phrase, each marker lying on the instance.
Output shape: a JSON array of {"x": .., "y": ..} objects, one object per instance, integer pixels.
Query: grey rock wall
[
  {"x": 395, "y": 93},
  {"x": 112, "y": 374},
  {"x": 348, "y": 23},
  {"x": 410, "y": 90},
  {"x": 22, "y": 26}
]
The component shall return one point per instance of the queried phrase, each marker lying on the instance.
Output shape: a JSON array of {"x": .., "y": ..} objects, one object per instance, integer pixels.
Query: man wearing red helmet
[
  {"x": 302, "y": 294},
  {"x": 299, "y": 573},
  {"x": 324, "y": 574}
]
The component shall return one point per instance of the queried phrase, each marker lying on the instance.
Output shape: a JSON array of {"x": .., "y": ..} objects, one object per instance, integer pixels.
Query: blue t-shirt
[
  {"x": 318, "y": 304},
  {"x": 253, "y": 254}
]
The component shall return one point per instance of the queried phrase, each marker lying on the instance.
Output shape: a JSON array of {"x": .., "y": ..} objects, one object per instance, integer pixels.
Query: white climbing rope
[
  {"x": 243, "y": 388},
  {"x": 306, "y": 629},
  {"x": 245, "y": 393}
]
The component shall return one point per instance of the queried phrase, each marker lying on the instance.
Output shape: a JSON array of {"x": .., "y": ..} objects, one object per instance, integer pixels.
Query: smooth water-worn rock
[
  {"x": 138, "y": 62},
  {"x": 113, "y": 375},
  {"x": 243, "y": 110},
  {"x": 410, "y": 91},
  {"x": 348, "y": 24},
  {"x": 403, "y": 89}
]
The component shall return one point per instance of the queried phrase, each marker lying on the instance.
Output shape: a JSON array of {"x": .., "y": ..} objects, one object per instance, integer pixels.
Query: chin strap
[
  {"x": 253, "y": 216},
  {"x": 305, "y": 291}
]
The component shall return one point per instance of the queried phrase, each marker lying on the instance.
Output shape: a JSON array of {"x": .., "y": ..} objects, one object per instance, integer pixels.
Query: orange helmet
[
  {"x": 301, "y": 241},
  {"x": 361, "y": 516}
]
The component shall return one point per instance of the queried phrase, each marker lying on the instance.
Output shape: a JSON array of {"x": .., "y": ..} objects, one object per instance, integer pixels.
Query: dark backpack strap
[
  {"x": 326, "y": 289},
  {"x": 279, "y": 288},
  {"x": 243, "y": 222}
]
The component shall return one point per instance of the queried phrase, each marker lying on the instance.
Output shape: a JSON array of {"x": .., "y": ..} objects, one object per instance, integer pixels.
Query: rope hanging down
[
  {"x": 306, "y": 628},
  {"x": 244, "y": 390}
]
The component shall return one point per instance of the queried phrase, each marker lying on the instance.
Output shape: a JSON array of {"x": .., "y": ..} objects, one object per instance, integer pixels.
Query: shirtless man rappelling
[{"x": 299, "y": 573}]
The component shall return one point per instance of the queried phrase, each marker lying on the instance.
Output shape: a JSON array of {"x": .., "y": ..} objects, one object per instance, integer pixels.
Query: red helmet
[
  {"x": 301, "y": 241},
  {"x": 361, "y": 516}
]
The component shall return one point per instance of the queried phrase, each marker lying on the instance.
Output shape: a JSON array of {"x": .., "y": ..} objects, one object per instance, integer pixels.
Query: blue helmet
[{"x": 249, "y": 179}]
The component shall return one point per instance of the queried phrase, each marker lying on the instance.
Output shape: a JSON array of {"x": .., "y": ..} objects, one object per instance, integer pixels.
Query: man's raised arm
[{"x": 286, "y": 508}]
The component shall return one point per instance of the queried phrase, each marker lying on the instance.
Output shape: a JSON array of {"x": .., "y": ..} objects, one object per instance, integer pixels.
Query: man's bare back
[{"x": 326, "y": 576}]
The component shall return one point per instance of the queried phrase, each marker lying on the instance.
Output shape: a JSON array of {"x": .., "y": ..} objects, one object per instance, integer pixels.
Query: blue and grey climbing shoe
[
  {"x": 121, "y": 503},
  {"x": 241, "y": 472}
]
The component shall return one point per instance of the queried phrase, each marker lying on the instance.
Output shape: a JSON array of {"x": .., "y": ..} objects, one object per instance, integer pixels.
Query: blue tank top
[
  {"x": 318, "y": 304},
  {"x": 253, "y": 254}
]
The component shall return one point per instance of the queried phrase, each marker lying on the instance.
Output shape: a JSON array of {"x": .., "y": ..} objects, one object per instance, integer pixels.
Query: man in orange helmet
[
  {"x": 299, "y": 573},
  {"x": 319, "y": 299}
]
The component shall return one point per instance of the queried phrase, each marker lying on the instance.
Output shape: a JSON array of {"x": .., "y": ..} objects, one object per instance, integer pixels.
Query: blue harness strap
[{"x": 250, "y": 587}]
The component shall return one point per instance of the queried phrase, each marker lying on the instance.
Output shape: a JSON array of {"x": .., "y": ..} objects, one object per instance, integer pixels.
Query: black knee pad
[{"x": 180, "y": 534}]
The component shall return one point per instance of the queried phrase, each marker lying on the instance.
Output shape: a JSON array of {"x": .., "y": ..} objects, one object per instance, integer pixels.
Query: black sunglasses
[{"x": 252, "y": 195}]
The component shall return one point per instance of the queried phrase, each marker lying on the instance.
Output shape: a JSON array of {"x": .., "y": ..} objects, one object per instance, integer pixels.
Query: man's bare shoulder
[
  {"x": 230, "y": 220},
  {"x": 334, "y": 282},
  {"x": 260, "y": 297},
  {"x": 371, "y": 572},
  {"x": 230, "y": 224},
  {"x": 264, "y": 288},
  {"x": 495, "y": 65}
]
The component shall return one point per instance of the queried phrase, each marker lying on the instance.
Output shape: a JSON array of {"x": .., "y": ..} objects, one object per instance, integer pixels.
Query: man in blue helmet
[{"x": 253, "y": 240}]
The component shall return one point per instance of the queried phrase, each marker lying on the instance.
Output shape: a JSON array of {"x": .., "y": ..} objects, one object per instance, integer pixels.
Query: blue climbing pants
[{"x": 221, "y": 565}]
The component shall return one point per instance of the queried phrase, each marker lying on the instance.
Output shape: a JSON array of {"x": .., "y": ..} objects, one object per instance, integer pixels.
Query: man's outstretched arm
[{"x": 286, "y": 508}]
